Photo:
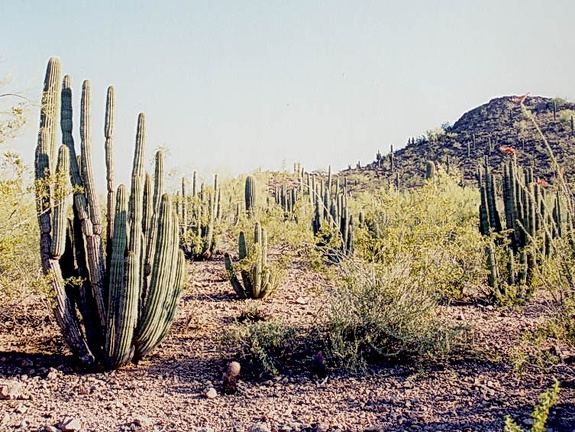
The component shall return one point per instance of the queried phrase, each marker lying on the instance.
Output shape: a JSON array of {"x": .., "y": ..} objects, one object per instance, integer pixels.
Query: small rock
[
  {"x": 259, "y": 427},
  {"x": 301, "y": 300},
  {"x": 21, "y": 409},
  {"x": 10, "y": 390},
  {"x": 211, "y": 393},
  {"x": 374, "y": 428},
  {"x": 51, "y": 429},
  {"x": 528, "y": 421},
  {"x": 321, "y": 427},
  {"x": 52, "y": 374},
  {"x": 71, "y": 424},
  {"x": 142, "y": 421}
]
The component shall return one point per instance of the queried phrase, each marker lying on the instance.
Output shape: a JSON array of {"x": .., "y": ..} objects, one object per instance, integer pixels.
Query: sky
[{"x": 235, "y": 86}]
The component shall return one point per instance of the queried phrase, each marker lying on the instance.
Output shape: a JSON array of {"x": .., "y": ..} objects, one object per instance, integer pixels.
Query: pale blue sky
[{"x": 236, "y": 85}]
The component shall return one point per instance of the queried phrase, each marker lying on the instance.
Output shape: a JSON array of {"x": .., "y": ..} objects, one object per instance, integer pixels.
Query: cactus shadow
[{"x": 16, "y": 363}]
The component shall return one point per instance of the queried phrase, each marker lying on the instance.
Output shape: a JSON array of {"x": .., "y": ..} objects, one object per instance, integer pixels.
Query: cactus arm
[
  {"x": 59, "y": 212},
  {"x": 236, "y": 284},
  {"x": 42, "y": 165},
  {"x": 160, "y": 276},
  {"x": 108, "y": 147},
  {"x": 138, "y": 166},
  {"x": 116, "y": 275},
  {"x": 86, "y": 155},
  {"x": 174, "y": 299},
  {"x": 158, "y": 179},
  {"x": 51, "y": 100},
  {"x": 92, "y": 226}
]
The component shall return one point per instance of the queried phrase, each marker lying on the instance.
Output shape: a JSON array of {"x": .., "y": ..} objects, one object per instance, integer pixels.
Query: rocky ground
[{"x": 178, "y": 388}]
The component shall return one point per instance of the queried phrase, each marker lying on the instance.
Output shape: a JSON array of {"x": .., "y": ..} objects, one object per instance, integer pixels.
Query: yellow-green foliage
[
  {"x": 385, "y": 312},
  {"x": 540, "y": 412},
  {"x": 433, "y": 227},
  {"x": 19, "y": 266}
]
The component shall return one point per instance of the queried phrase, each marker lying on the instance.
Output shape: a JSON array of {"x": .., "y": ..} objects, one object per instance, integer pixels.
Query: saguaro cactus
[{"x": 115, "y": 308}]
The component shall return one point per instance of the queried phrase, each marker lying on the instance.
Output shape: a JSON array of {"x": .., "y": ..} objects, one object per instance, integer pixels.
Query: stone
[
  {"x": 71, "y": 424},
  {"x": 11, "y": 389},
  {"x": 142, "y": 421},
  {"x": 528, "y": 421},
  {"x": 301, "y": 300},
  {"x": 51, "y": 428},
  {"x": 211, "y": 393},
  {"x": 259, "y": 427},
  {"x": 321, "y": 427}
]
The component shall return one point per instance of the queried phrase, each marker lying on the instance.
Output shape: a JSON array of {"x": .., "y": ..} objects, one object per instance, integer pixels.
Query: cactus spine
[{"x": 105, "y": 319}]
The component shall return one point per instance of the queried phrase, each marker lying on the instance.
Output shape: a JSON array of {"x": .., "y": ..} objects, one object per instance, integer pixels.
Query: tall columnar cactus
[
  {"x": 429, "y": 170},
  {"x": 250, "y": 195},
  {"x": 331, "y": 219},
  {"x": 258, "y": 278},
  {"x": 117, "y": 306}
]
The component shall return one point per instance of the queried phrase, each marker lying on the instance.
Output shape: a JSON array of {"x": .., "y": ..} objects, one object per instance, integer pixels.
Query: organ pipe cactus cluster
[
  {"x": 528, "y": 223},
  {"x": 117, "y": 305},
  {"x": 287, "y": 200},
  {"x": 258, "y": 279},
  {"x": 199, "y": 213},
  {"x": 331, "y": 214}
]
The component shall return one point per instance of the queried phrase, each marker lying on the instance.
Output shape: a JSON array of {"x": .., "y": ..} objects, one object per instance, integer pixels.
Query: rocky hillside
[{"x": 494, "y": 129}]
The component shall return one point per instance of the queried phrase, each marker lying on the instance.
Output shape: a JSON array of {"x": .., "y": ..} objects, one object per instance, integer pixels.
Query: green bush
[
  {"x": 386, "y": 312},
  {"x": 263, "y": 346},
  {"x": 435, "y": 225},
  {"x": 19, "y": 266}
]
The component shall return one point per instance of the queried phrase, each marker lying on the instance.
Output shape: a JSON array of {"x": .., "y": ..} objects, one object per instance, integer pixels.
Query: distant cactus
[
  {"x": 429, "y": 170},
  {"x": 250, "y": 195},
  {"x": 113, "y": 309},
  {"x": 199, "y": 214}
]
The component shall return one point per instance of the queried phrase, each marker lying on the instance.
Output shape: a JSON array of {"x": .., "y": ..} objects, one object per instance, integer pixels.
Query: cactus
[
  {"x": 199, "y": 215},
  {"x": 258, "y": 277},
  {"x": 429, "y": 170},
  {"x": 110, "y": 309},
  {"x": 250, "y": 195}
]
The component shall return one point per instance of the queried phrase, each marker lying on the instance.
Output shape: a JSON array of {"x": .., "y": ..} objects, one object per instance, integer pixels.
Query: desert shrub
[
  {"x": 435, "y": 225},
  {"x": 19, "y": 266},
  {"x": 385, "y": 312},
  {"x": 263, "y": 346}
]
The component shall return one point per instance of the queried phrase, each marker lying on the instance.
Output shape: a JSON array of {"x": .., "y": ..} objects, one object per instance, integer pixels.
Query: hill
[{"x": 486, "y": 130}]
